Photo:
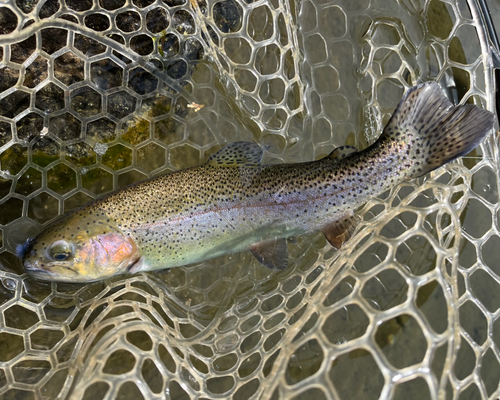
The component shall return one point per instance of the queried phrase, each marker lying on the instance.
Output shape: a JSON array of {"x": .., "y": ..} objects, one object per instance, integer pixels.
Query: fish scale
[{"x": 233, "y": 203}]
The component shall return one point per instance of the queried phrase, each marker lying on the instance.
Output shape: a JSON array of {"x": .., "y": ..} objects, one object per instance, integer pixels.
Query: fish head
[{"x": 80, "y": 247}]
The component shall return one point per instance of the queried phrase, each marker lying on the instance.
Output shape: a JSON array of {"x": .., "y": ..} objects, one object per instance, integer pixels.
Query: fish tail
[{"x": 433, "y": 130}]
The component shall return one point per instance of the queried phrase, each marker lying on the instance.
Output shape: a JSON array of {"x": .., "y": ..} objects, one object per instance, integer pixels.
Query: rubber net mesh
[{"x": 95, "y": 95}]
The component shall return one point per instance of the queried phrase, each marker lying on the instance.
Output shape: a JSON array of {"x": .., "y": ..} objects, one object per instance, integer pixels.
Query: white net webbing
[{"x": 95, "y": 95}]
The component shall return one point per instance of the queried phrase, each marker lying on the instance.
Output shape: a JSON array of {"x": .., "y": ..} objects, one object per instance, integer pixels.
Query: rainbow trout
[{"x": 233, "y": 203}]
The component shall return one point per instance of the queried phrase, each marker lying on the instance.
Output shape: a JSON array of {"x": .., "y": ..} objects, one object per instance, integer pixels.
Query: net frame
[{"x": 277, "y": 327}]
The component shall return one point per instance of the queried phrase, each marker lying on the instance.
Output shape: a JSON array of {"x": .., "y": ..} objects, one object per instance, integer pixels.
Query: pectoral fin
[
  {"x": 137, "y": 265},
  {"x": 273, "y": 254},
  {"x": 338, "y": 232}
]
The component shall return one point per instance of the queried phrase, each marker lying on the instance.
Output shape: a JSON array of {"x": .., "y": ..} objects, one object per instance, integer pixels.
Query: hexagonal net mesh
[{"x": 95, "y": 95}]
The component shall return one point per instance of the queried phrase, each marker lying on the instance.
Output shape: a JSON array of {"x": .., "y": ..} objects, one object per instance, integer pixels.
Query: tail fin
[{"x": 436, "y": 131}]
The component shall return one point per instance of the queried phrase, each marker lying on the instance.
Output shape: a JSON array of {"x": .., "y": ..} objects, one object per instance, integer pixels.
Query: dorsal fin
[
  {"x": 237, "y": 154},
  {"x": 342, "y": 152},
  {"x": 339, "y": 231}
]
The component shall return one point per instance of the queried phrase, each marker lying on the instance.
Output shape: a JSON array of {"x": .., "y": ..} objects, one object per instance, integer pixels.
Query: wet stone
[
  {"x": 26, "y": 6},
  {"x": 106, "y": 74},
  {"x": 68, "y": 68},
  {"x": 13, "y": 159},
  {"x": 53, "y": 39},
  {"x": 80, "y": 154},
  {"x": 86, "y": 101},
  {"x": 36, "y": 72},
  {"x": 14, "y": 104},
  {"x": 177, "y": 392},
  {"x": 476, "y": 218},
  {"x": 183, "y": 22},
  {"x": 8, "y": 21},
  {"x": 97, "y": 22},
  {"x": 79, "y": 5},
  {"x": 49, "y": 8},
  {"x": 5, "y": 133},
  {"x": 65, "y": 126},
  {"x": 50, "y": 98},
  {"x": 490, "y": 371},
  {"x": 9, "y": 78},
  {"x": 54, "y": 384},
  {"x": 20, "y": 52},
  {"x": 418, "y": 254},
  {"x": 137, "y": 131},
  {"x": 70, "y": 18},
  {"x": 111, "y": 4},
  {"x": 121, "y": 104},
  {"x": 169, "y": 45},
  {"x": 193, "y": 50},
  {"x": 128, "y": 21},
  {"x": 142, "y": 44},
  {"x": 151, "y": 157},
  {"x": 465, "y": 360},
  {"x": 142, "y": 3},
  {"x": 157, "y": 20},
  {"x": 227, "y": 16},
  {"x": 102, "y": 130},
  {"x": 88, "y": 46},
  {"x": 3, "y": 378},
  {"x": 45, "y": 151},
  {"x": 173, "y": 3},
  {"x": 177, "y": 69},
  {"x": 141, "y": 81}
]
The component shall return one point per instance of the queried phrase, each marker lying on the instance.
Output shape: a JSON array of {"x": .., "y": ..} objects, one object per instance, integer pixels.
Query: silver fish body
[{"x": 233, "y": 203}]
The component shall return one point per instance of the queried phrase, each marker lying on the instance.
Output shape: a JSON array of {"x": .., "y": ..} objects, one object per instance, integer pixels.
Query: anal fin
[
  {"x": 339, "y": 231},
  {"x": 273, "y": 254}
]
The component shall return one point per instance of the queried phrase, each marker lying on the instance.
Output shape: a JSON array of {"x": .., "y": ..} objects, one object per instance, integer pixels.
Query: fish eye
[{"x": 60, "y": 251}]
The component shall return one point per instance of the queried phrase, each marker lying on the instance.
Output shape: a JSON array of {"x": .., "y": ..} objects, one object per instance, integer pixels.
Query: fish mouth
[{"x": 34, "y": 271}]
